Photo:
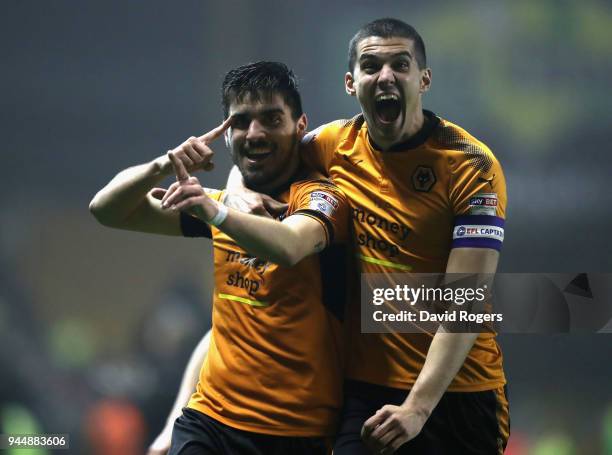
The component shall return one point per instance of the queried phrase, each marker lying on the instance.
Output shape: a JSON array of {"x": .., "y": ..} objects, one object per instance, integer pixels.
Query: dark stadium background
[{"x": 96, "y": 325}]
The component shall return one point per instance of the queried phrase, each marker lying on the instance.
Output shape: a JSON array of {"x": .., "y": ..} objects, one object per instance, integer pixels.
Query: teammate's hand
[
  {"x": 390, "y": 427},
  {"x": 158, "y": 193},
  {"x": 255, "y": 203},
  {"x": 161, "y": 445},
  {"x": 187, "y": 193},
  {"x": 194, "y": 153}
]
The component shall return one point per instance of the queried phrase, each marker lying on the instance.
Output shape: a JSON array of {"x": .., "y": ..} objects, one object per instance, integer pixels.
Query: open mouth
[
  {"x": 258, "y": 154},
  {"x": 388, "y": 107}
]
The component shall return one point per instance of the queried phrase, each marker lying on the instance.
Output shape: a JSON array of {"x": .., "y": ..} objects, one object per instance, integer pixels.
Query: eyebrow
[
  {"x": 274, "y": 110},
  {"x": 366, "y": 55}
]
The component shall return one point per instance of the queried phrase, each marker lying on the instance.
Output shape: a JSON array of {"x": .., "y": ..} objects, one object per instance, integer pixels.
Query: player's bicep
[
  {"x": 150, "y": 217},
  {"x": 311, "y": 231},
  {"x": 472, "y": 260}
]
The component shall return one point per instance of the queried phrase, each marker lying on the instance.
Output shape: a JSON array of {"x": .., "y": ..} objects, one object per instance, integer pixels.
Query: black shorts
[
  {"x": 195, "y": 433},
  {"x": 462, "y": 422}
]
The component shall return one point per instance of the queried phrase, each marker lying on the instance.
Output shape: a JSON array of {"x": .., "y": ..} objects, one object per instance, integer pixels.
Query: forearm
[
  {"x": 114, "y": 203},
  {"x": 190, "y": 378},
  {"x": 265, "y": 238},
  {"x": 284, "y": 243},
  {"x": 445, "y": 357},
  {"x": 392, "y": 426},
  {"x": 448, "y": 351}
]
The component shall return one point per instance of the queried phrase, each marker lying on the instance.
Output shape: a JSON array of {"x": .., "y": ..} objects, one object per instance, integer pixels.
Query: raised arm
[
  {"x": 284, "y": 243},
  {"x": 130, "y": 201}
]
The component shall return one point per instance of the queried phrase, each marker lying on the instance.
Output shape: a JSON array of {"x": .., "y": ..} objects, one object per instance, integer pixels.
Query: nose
[
  {"x": 386, "y": 76},
  {"x": 255, "y": 132}
]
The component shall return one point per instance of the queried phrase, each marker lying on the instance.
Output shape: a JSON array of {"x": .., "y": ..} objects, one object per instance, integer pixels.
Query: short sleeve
[
  {"x": 478, "y": 199},
  {"x": 326, "y": 203},
  {"x": 318, "y": 146},
  {"x": 192, "y": 226}
]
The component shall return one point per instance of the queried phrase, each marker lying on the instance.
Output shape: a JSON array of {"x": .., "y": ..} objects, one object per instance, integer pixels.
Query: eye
[
  {"x": 273, "y": 119},
  {"x": 240, "y": 122},
  {"x": 402, "y": 65},
  {"x": 369, "y": 67}
]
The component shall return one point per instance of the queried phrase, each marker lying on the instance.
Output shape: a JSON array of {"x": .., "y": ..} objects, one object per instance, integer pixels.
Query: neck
[
  {"x": 280, "y": 183},
  {"x": 414, "y": 123}
]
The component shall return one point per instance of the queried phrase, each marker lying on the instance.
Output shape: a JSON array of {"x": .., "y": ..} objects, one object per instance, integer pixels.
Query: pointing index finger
[
  {"x": 179, "y": 168},
  {"x": 217, "y": 132}
]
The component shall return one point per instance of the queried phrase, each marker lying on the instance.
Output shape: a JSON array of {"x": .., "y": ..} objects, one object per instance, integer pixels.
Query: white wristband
[{"x": 220, "y": 216}]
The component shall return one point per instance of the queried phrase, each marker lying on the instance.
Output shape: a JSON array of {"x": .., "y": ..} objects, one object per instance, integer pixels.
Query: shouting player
[
  {"x": 271, "y": 382},
  {"x": 414, "y": 181}
]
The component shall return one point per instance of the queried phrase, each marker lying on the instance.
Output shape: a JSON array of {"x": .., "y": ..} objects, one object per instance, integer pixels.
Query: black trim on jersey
[
  {"x": 319, "y": 216},
  {"x": 333, "y": 267},
  {"x": 450, "y": 137},
  {"x": 194, "y": 227},
  {"x": 430, "y": 123}
]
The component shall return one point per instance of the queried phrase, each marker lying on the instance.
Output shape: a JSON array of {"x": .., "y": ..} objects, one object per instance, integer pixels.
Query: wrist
[
  {"x": 219, "y": 216},
  {"x": 162, "y": 166},
  {"x": 420, "y": 405}
]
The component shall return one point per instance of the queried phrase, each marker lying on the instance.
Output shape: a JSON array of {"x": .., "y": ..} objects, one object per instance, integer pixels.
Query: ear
[
  {"x": 228, "y": 138},
  {"x": 425, "y": 80},
  {"x": 349, "y": 84},
  {"x": 302, "y": 125}
]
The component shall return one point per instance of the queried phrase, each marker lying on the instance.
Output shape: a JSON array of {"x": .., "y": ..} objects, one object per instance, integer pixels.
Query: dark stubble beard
[{"x": 269, "y": 181}]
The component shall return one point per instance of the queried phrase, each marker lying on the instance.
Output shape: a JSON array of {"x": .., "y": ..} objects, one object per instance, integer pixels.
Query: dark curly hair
[{"x": 261, "y": 79}]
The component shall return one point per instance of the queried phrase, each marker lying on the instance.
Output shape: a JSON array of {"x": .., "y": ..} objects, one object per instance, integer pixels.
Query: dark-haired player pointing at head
[{"x": 271, "y": 381}]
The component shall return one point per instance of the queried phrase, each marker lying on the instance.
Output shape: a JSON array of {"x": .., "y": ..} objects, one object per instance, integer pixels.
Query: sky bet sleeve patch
[
  {"x": 483, "y": 204},
  {"x": 323, "y": 202}
]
